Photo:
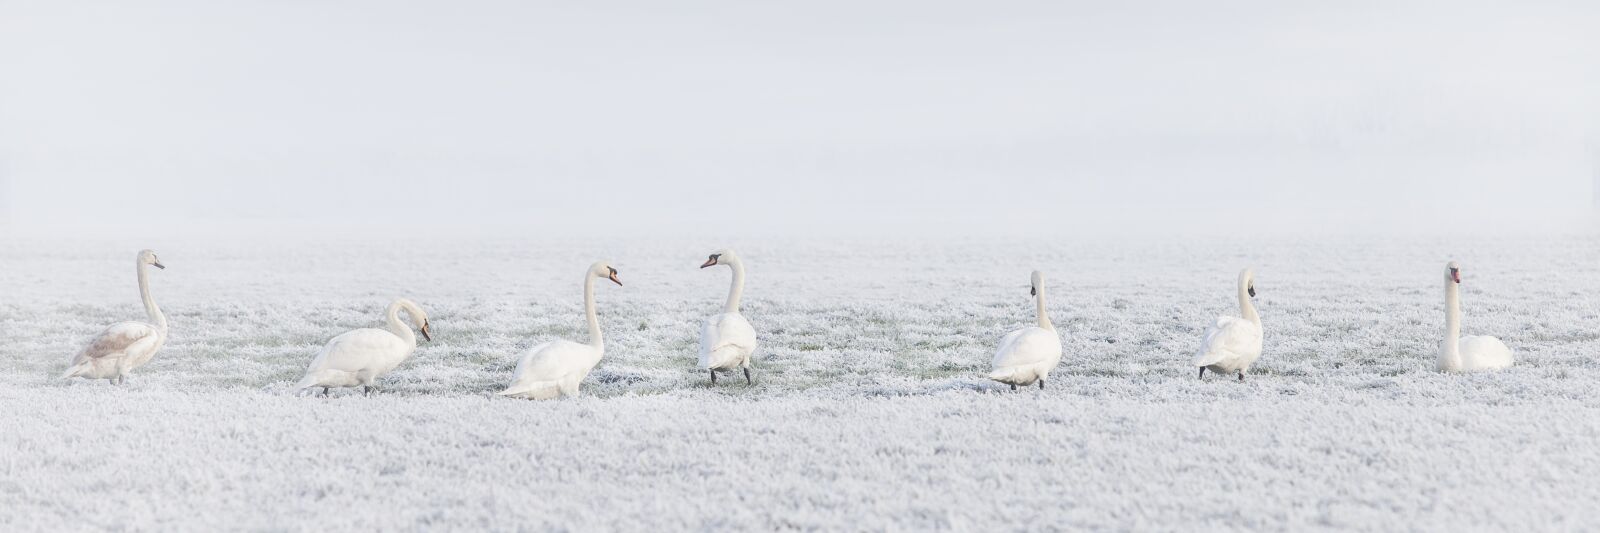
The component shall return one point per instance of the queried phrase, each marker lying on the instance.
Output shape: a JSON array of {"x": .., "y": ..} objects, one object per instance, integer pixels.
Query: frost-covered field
[{"x": 870, "y": 410}]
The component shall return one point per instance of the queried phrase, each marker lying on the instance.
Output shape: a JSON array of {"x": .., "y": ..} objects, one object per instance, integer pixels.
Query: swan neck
[
  {"x": 399, "y": 328},
  {"x": 595, "y": 339},
  {"x": 735, "y": 287},
  {"x": 1044, "y": 317},
  {"x": 1450, "y": 352},
  {"x": 156, "y": 316},
  {"x": 1247, "y": 308}
]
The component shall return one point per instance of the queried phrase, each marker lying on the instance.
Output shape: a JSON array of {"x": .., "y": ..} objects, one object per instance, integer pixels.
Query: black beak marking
[
  {"x": 1252, "y": 290},
  {"x": 158, "y": 264},
  {"x": 1033, "y": 291}
]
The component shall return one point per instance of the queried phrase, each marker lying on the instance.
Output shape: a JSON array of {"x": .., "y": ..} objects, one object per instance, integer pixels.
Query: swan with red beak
[
  {"x": 727, "y": 340},
  {"x": 556, "y": 368},
  {"x": 1472, "y": 353}
]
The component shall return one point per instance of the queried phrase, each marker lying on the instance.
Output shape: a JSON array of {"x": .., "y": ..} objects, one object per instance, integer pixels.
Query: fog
[{"x": 817, "y": 116}]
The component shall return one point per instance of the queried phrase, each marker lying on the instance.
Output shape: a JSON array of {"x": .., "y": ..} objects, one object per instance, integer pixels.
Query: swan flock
[{"x": 556, "y": 369}]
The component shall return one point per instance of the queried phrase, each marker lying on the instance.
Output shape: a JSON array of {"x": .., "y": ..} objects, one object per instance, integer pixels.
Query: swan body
[
  {"x": 357, "y": 358},
  {"x": 555, "y": 369},
  {"x": 1232, "y": 344},
  {"x": 727, "y": 340},
  {"x": 1472, "y": 353},
  {"x": 124, "y": 346},
  {"x": 1026, "y": 356}
]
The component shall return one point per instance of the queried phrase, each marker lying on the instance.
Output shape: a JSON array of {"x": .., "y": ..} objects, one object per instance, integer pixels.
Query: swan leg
[
  {"x": 1041, "y": 384},
  {"x": 713, "y": 377},
  {"x": 1013, "y": 386},
  {"x": 325, "y": 392},
  {"x": 1241, "y": 376},
  {"x": 367, "y": 390},
  {"x": 1202, "y": 372},
  {"x": 747, "y": 380}
]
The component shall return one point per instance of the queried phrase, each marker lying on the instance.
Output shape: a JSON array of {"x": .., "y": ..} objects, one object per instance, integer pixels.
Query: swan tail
[
  {"x": 1003, "y": 375},
  {"x": 74, "y": 370},
  {"x": 538, "y": 390},
  {"x": 1209, "y": 358},
  {"x": 306, "y": 382}
]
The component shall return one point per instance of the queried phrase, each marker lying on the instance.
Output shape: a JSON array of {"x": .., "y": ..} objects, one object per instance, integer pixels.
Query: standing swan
[
  {"x": 1234, "y": 343},
  {"x": 1029, "y": 354},
  {"x": 359, "y": 357},
  {"x": 557, "y": 367},
  {"x": 727, "y": 340},
  {"x": 125, "y": 346},
  {"x": 1466, "y": 354}
]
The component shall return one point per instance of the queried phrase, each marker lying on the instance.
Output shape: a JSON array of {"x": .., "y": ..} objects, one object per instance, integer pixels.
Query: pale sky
[{"x": 706, "y": 116}]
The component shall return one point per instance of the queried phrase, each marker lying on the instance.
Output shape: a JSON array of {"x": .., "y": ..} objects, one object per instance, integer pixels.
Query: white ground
[{"x": 870, "y": 411}]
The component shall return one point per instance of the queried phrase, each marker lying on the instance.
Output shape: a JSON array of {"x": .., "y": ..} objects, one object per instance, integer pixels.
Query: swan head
[
  {"x": 148, "y": 257},
  {"x": 1036, "y": 283},
  {"x": 721, "y": 257},
  {"x": 1452, "y": 272},
  {"x": 418, "y": 316},
  {"x": 604, "y": 270},
  {"x": 1247, "y": 278}
]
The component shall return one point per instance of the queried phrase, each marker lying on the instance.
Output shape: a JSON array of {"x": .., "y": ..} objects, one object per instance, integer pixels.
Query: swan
[
  {"x": 125, "y": 346},
  {"x": 727, "y": 340},
  {"x": 1029, "y": 354},
  {"x": 359, "y": 357},
  {"x": 1233, "y": 343},
  {"x": 1466, "y": 354},
  {"x": 557, "y": 367}
]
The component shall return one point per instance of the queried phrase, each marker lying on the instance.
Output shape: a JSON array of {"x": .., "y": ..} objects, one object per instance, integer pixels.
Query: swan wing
[
  {"x": 1027, "y": 346},
  {"x": 118, "y": 340},
  {"x": 725, "y": 331},
  {"x": 544, "y": 367},
  {"x": 1484, "y": 353},
  {"x": 1230, "y": 336},
  {"x": 359, "y": 349}
]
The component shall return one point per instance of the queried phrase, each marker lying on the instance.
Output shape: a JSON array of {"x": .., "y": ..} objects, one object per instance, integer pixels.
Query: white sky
[{"x": 714, "y": 116}]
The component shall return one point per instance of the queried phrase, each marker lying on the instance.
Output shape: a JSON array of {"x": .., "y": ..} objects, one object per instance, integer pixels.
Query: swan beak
[
  {"x": 158, "y": 264},
  {"x": 1252, "y": 291},
  {"x": 613, "y": 277},
  {"x": 1033, "y": 291},
  {"x": 1455, "y": 275},
  {"x": 709, "y": 262},
  {"x": 425, "y": 334}
]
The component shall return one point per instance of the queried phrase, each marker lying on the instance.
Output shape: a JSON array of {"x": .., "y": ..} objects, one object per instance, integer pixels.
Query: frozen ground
[{"x": 870, "y": 411}]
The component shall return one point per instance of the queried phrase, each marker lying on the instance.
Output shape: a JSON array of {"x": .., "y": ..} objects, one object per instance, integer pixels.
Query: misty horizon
[{"x": 823, "y": 117}]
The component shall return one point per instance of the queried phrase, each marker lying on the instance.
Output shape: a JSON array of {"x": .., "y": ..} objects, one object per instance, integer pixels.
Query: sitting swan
[
  {"x": 557, "y": 367},
  {"x": 1234, "y": 343},
  {"x": 359, "y": 357},
  {"x": 124, "y": 346},
  {"x": 1029, "y": 354},
  {"x": 727, "y": 340},
  {"x": 1466, "y": 354}
]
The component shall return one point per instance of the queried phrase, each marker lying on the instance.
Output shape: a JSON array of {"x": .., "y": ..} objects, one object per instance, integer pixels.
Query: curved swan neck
[
  {"x": 400, "y": 329},
  {"x": 595, "y": 339},
  {"x": 1044, "y": 317},
  {"x": 736, "y": 287},
  {"x": 1450, "y": 352},
  {"x": 1247, "y": 308},
  {"x": 150, "y": 307}
]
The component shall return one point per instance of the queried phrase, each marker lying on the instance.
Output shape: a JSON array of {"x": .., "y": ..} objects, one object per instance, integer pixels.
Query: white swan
[
  {"x": 359, "y": 357},
  {"x": 556, "y": 368},
  {"x": 1233, "y": 343},
  {"x": 1466, "y": 354},
  {"x": 727, "y": 340},
  {"x": 1029, "y": 354},
  {"x": 125, "y": 346}
]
